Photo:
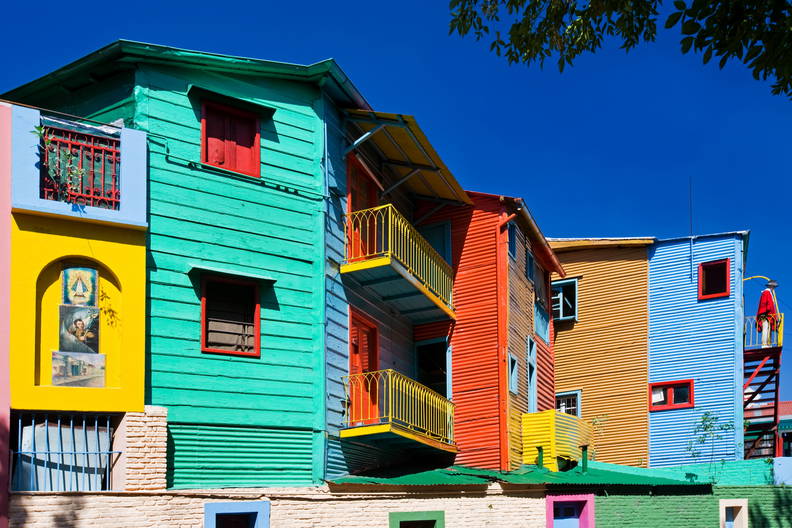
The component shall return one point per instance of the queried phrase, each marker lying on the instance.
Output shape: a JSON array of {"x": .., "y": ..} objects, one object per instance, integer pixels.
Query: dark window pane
[
  {"x": 417, "y": 524},
  {"x": 714, "y": 278},
  {"x": 230, "y": 318},
  {"x": 681, "y": 394},
  {"x": 235, "y": 520}
]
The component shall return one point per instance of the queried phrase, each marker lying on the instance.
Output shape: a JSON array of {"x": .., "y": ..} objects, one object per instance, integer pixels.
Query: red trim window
[
  {"x": 714, "y": 279},
  {"x": 671, "y": 395},
  {"x": 230, "y": 139},
  {"x": 230, "y": 317}
]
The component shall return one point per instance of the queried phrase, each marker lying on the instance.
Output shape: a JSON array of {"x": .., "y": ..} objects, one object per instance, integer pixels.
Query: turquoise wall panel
[
  {"x": 252, "y": 421},
  {"x": 695, "y": 339},
  {"x": 210, "y": 456}
]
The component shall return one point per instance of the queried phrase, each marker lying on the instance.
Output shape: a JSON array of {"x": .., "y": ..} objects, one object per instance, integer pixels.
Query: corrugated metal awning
[
  {"x": 785, "y": 425},
  {"x": 407, "y": 153}
]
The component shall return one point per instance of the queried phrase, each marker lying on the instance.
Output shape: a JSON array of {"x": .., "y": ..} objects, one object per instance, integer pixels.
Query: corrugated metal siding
[
  {"x": 695, "y": 339},
  {"x": 474, "y": 336},
  {"x": 605, "y": 353},
  {"x": 208, "y": 456},
  {"x": 521, "y": 300}
]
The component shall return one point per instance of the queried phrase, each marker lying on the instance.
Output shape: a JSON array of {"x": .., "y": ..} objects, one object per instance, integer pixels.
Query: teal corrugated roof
[
  {"x": 722, "y": 472},
  {"x": 785, "y": 425},
  {"x": 459, "y": 475},
  {"x": 452, "y": 476}
]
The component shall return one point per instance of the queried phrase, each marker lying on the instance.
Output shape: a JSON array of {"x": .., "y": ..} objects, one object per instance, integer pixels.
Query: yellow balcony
[
  {"x": 389, "y": 256},
  {"x": 774, "y": 336},
  {"x": 389, "y": 409},
  {"x": 559, "y": 435}
]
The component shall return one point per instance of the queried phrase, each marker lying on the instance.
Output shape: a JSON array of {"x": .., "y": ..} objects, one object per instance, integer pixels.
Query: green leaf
[
  {"x": 672, "y": 20},
  {"x": 707, "y": 55},
  {"x": 679, "y": 4},
  {"x": 690, "y": 27},
  {"x": 723, "y": 61},
  {"x": 686, "y": 43}
]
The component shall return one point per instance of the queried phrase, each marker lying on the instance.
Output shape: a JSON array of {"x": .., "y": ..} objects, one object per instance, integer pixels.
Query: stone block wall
[{"x": 291, "y": 508}]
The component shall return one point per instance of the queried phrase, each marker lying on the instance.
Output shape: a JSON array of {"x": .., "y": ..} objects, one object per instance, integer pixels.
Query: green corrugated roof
[{"x": 459, "y": 475}]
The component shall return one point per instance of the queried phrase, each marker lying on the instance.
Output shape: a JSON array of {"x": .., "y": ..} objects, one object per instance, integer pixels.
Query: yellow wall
[
  {"x": 605, "y": 353},
  {"x": 40, "y": 246}
]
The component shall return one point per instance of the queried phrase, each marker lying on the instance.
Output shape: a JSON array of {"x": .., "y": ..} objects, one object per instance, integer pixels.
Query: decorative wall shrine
[{"x": 77, "y": 362}]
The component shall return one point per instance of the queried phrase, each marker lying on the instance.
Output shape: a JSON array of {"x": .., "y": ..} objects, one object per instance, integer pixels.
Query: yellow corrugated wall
[{"x": 604, "y": 354}]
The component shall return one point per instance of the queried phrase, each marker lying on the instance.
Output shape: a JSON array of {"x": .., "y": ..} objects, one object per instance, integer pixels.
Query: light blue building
[{"x": 696, "y": 322}]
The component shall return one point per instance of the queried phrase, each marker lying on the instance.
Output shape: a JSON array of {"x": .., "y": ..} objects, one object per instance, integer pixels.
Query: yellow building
[
  {"x": 601, "y": 342},
  {"x": 74, "y": 218}
]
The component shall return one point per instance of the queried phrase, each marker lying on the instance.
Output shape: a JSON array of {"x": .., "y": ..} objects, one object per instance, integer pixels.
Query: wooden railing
[
  {"x": 383, "y": 232},
  {"x": 753, "y": 332},
  {"x": 389, "y": 397}
]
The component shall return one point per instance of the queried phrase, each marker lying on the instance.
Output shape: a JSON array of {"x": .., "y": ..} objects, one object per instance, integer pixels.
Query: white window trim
[
  {"x": 578, "y": 394},
  {"x": 741, "y": 521}
]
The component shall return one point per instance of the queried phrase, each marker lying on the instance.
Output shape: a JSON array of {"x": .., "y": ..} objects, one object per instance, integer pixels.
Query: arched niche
[{"x": 56, "y": 322}]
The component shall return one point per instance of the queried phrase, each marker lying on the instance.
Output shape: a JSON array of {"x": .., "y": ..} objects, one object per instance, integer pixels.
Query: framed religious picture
[
  {"x": 80, "y": 286},
  {"x": 79, "y": 329}
]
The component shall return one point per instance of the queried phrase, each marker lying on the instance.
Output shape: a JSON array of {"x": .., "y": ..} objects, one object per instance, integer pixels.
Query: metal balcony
[
  {"x": 550, "y": 435},
  {"x": 387, "y": 407},
  {"x": 753, "y": 333},
  {"x": 388, "y": 255}
]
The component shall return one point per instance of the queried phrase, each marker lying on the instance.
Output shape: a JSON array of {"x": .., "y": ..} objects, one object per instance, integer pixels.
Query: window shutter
[
  {"x": 243, "y": 134},
  {"x": 216, "y": 124}
]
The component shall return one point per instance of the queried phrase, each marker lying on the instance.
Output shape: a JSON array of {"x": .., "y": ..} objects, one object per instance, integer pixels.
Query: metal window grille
[
  {"x": 62, "y": 452},
  {"x": 80, "y": 168}
]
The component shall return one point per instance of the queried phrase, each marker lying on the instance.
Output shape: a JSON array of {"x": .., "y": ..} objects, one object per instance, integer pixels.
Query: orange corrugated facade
[
  {"x": 478, "y": 364},
  {"x": 604, "y": 354}
]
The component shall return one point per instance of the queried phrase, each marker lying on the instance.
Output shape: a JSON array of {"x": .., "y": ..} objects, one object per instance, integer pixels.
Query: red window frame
[
  {"x": 701, "y": 266},
  {"x": 255, "y": 161},
  {"x": 669, "y": 386},
  {"x": 256, "y": 317}
]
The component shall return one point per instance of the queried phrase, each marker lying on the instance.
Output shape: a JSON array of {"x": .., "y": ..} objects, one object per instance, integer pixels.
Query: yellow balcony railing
[
  {"x": 383, "y": 233},
  {"x": 558, "y": 434},
  {"x": 755, "y": 337},
  {"x": 391, "y": 398}
]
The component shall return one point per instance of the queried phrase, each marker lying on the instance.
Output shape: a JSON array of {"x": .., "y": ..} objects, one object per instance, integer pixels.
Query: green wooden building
[{"x": 236, "y": 248}]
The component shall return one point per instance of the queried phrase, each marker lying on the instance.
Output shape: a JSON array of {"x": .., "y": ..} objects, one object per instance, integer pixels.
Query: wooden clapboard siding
[
  {"x": 521, "y": 300},
  {"x": 604, "y": 354},
  {"x": 201, "y": 216}
]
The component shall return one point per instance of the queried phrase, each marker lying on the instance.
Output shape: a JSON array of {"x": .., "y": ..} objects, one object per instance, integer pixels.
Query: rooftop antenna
[{"x": 690, "y": 221}]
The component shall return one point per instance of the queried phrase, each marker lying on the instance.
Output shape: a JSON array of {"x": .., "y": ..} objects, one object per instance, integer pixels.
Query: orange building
[{"x": 601, "y": 344}]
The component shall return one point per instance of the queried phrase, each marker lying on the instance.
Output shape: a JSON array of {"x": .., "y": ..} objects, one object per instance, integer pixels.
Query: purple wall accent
[
  {"x": 586, "y": 516},
  {"x": 5, "y": 309}
]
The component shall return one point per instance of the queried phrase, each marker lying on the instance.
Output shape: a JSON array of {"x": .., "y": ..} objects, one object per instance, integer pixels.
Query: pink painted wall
[
  {"x": 586, "y": 516},
  {"x": 5, "y": 309}
]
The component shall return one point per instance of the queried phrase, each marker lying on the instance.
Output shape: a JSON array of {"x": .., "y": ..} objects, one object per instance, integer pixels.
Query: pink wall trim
[
  {"x": 586, "y": 517},
  {"x": 5, "y": 309}
]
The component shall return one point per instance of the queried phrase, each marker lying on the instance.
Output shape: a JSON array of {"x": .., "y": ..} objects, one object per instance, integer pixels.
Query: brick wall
[
  {"x": 143, "y": 439},
  {"x": 768, "y": 506},
  {"x": 291, "y": 508}
]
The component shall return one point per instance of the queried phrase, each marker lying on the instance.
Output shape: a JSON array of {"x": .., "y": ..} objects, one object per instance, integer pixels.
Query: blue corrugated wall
[{"x": 695, "y": 339}]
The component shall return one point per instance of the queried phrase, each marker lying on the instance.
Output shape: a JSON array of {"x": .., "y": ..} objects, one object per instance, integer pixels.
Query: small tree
[{"x": 708, "y": 430}]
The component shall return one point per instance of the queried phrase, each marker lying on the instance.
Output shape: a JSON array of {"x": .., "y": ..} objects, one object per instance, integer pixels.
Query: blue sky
[{"x": 604, "y": 149}]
